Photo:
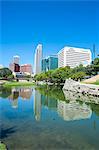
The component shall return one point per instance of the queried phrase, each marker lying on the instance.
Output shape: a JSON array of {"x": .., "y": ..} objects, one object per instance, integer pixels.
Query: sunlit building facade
[
  {"x": 38, "y": 59},
  {"x": 26, "y": 68},
  {"x": 71, "y": 56}
]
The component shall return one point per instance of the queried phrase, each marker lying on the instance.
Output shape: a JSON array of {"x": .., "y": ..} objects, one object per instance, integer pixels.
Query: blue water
[{"x": 30, "y": 120}]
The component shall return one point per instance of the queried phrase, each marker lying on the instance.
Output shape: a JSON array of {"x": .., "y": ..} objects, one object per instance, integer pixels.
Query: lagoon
[{"x": 36, "y": 118}]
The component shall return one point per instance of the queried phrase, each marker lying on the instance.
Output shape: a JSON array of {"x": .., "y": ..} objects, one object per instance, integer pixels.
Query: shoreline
[
  {"x": 27, "y": 83},
  {"x": 15, "y": 83}
]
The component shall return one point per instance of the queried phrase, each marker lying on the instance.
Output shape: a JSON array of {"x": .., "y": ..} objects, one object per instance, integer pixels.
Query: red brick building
[{"x": 26, "y": 68}]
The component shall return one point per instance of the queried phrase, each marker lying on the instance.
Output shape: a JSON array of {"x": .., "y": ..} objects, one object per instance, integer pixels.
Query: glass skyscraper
[{"x": 50, "y": 63}]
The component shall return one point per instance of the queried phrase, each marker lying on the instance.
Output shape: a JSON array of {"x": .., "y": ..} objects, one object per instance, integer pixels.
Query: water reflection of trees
[
  {"x": 5, "y": 92},
  {"x": 52, "y": 91},
  {"x": 14, "y": 95},
  {"x": 4, "y": 133},
  {"x": 48, "y": 96},
  {"x": 68, "y": 111},
  {"x": 57, "y": 94},
  {"x": 95, "y": 108}
]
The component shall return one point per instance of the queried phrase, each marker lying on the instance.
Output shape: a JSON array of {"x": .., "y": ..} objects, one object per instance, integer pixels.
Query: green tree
[
  {"x": 5, "y": 72},
  {"x": 96, "y": 61},
  {"x": 78, "y": 76},
  {"x": 89, "y": 70},
  {"x": 79, "y": 68},
  {"x": 61, "y": 74}
]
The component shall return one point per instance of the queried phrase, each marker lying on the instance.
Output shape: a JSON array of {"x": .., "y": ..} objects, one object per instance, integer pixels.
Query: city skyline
[{"x": 53, "y": 24}]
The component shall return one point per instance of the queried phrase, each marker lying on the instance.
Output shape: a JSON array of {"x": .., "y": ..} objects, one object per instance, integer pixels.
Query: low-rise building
[{"x": 26, "y": 68}]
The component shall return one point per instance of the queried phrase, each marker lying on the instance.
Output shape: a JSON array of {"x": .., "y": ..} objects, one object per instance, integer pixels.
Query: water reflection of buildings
[
  {"x": 68, "y": 111},
  {"x": 50, "y": 103},
  {"x": 37, "y": 105},
  {"x": 14, "y": 97},
  {"x": 73, "y": 111},
  {"x": 42, "y": 101},
  {"x": 24, "y": 93}
]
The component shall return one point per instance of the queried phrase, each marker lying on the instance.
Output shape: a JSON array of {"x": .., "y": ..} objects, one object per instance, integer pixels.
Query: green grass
[
  {"x": 97, "y": 82},
  {"x": 2, "y": 146},
  {"x": 14, "y": 83}
]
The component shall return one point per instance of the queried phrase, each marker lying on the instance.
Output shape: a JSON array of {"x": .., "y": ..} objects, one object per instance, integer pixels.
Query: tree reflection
[
  {"x": 5, "y": 92},
  {"x": 4, "y": 133}
]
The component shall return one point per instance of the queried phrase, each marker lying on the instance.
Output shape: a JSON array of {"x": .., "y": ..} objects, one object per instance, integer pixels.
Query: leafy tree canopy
[{"x": 5, "y": 72}]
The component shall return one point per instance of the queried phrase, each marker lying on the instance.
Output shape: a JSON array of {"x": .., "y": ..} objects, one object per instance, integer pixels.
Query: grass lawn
[
  {"x": 2, "y": 146},
  {"x": 97, "y": 82},
  {"x": 14, "y": 83}
]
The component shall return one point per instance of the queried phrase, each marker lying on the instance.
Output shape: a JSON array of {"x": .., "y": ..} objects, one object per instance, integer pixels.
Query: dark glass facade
[{"x": 16, "y": 68}]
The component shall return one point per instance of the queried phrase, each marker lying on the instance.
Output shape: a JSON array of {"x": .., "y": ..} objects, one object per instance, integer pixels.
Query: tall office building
[
  {"x": 14, "y": 65},
  {"x": 16, "y": 59},
  {"x": 50, "y": 63},
  {"x": 71, "y": 56},
  {"x": 38, "y": 59}
]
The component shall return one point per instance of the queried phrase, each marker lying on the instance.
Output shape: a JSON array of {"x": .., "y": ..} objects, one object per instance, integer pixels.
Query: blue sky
[{"x": 55, "y": 24}]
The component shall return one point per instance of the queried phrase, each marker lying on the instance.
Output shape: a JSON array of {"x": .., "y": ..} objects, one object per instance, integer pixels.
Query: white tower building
[
  {"x": 16, "y": 59},
  {"x": 71, "y": 56},
  {"x": 38, "y": 59}
]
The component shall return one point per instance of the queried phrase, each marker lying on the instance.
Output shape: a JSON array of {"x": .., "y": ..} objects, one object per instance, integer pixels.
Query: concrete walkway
[{"x": 91, "y": 80}]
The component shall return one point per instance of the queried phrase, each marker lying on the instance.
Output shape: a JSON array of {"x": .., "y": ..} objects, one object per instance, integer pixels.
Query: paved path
[{"x": 91, "y": 80}]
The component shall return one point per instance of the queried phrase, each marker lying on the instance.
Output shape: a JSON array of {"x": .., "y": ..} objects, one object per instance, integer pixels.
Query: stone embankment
[{"x": 87, "y": 92}]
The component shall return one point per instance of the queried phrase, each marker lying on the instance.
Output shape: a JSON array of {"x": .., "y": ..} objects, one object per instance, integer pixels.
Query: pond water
[{"x": 42, "y": 119}]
